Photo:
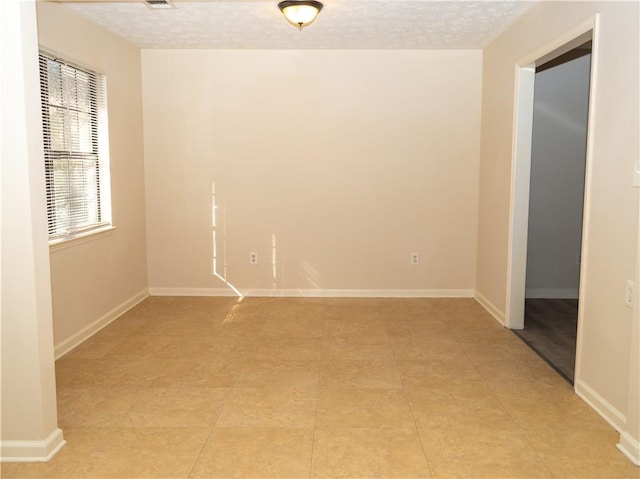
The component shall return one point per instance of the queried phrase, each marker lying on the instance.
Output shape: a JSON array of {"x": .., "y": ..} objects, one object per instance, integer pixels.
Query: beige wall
[
  {"x": 352, "y": 159},
  {"x": 602, "y": 376},
  {"x": 93, "y": 281}
]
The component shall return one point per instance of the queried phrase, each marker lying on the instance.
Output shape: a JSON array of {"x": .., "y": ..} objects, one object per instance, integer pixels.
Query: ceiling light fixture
[
  {"x": 158, "y": 4},
  {"x": 300, "y": 13}
]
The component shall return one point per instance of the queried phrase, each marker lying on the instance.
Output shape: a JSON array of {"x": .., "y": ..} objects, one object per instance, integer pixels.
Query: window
[{"x": 75, "y": 148}]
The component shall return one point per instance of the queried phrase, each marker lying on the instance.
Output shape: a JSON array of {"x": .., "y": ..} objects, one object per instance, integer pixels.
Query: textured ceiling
[{"x": 342, "y": 24}]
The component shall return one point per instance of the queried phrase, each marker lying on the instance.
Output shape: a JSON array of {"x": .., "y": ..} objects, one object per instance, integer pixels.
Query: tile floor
[{"x": 323, "y": 388}]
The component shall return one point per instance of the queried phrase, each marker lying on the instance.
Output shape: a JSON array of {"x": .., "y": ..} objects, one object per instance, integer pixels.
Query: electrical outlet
[
  {"x": 253, "y": 258},
  {"x": 415, "y": 258},
  {"x": 628, "y": 295}
]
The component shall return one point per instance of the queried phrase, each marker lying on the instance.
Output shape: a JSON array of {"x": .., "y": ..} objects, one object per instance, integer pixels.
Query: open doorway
[
  {"x": 550, "y": 55},
  {"x": 556, "y": 200}
]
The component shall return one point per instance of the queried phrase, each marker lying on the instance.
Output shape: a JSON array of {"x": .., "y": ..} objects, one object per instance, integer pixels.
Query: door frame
[{"x": 521, "y": 171}]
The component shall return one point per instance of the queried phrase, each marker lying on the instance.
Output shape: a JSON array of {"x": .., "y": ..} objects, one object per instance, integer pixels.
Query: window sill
[{"x": 64, "y": 243}]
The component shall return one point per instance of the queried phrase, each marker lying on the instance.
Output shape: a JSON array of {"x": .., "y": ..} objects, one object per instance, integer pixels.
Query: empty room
[{"x": 293, "y": 239}]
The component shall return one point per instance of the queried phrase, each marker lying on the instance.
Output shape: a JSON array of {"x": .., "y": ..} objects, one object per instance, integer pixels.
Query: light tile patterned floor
[{"x": 297, "y": 388}]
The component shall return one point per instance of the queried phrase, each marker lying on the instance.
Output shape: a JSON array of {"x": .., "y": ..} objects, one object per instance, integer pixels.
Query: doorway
[
  {"x": 556, "y": 199},
  {"x": 550, "y": 56}
]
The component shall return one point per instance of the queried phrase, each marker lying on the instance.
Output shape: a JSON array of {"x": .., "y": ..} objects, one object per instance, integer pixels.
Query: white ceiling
[{"x": 342, "y": 24}]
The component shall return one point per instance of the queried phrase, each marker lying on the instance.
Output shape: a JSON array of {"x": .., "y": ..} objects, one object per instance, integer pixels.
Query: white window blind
[{"x": 74, "y": 127}]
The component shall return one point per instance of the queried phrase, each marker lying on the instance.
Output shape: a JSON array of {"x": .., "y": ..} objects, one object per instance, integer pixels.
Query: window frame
[{"x": 98, "y": 156}]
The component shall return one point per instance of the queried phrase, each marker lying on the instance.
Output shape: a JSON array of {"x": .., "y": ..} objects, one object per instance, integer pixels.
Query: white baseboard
[
  {"x": 630, "y": 447},
  {"x": 68, "y": 344},
  {"x": 490, "y": 307},
  {"x": 32, "y": 451},
  {"x": 604, "y": 408},
  {"x": 363, "y": 293},
  {"x": 318, "y": 293},
  {"x": 191, "y": 292},
  {"x": 551, "y": 293}
]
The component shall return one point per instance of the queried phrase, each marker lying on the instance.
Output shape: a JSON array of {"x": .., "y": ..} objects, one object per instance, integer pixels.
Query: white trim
[
  {"x": 604, "y": 408},
  {"x": 364, "y": 293},
  {"x": 551, "y": 293},
  {"x": 491, "y": 308},
  {"x": 588, "y": 181},
  {"x": 318, "y": 293},
  {"x": 521, "y": 164},
  {"x": 32, "y": 451},
  {"x": 522, "y": 134},
  {"x": 70, "y": 343},
  {"x": 191, "y": 292},
  {"x": 630, "y": 448},
  {"x": 560, "y": 45}
]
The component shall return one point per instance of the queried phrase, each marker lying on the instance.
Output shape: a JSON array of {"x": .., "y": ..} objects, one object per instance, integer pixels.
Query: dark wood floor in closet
[{"x": 550, "y": 327}]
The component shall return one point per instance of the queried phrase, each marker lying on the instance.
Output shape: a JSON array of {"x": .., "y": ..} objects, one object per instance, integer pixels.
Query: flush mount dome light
[{"x": 300, "y": 13}]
